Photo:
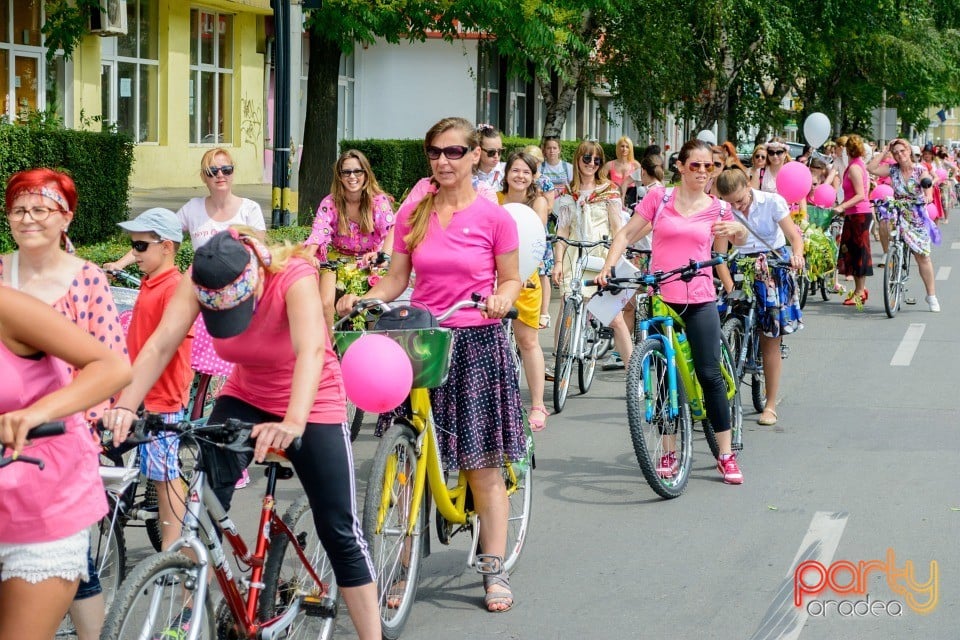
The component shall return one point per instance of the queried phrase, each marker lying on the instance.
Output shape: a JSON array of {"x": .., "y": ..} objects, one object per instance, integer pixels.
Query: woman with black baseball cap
[{"x": 260, "y": 304}]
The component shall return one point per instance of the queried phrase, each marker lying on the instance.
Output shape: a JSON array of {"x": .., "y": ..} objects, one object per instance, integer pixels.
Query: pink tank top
[
  {"x": 66, "y": 496},
  {"x": 864, "y": 206}
]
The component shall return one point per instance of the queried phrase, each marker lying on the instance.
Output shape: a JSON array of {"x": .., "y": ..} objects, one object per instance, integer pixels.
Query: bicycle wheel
[
  {"x": 587, "y": 365},
  {"x": 893, "y": 276},
  {"x": 822, "y": 285},
  {"x": 648, "y": 407},
  {"x": 157, "y": 600},
  {"x": 564, "y": 358},
  {"x": 205, "y": 391},
  {"x": 386, "y": 522},
  {"x": 732, "y": 334},
  {"x": 354, "y": 419},
  {"x": 519, "y": 481},
  {"x": 758, "y": 382},
  {"x": 286, "y": 579},
  {"x": 804, "y": 284},
  {"x": 108, "y": 550}
]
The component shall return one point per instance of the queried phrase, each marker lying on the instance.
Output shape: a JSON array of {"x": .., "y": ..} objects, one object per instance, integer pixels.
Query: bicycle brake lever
[{"x": 8, "y": 460}]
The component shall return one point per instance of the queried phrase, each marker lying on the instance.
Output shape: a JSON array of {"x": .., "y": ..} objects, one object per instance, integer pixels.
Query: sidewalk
[{"x": 142, "y": 199}]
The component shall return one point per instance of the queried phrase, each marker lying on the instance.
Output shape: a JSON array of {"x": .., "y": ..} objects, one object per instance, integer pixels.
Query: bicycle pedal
[
  {"x": 489, "y": 564},
  {"x": 317, "y": 607},
  {"x": 605, "y": 333}
]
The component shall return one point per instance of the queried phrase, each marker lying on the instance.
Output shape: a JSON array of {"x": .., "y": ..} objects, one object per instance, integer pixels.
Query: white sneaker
[{"x": 934, "y": 304}]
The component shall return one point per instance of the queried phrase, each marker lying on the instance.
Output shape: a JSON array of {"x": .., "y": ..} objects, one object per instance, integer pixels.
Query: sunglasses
[
  {"x": 588, "y": 159},
  {"x": 776, "y": 152},
  {"x": 759, "y": 157},
  {"x": 717, "y": 164},
  {"x": 346, "y": 173},
  {"x": 453, "y": 152},
  {"x": 226, "y": 170},
  {"x": 709, "y": 167},
  {"x": 142, "y": 245},
  {"x": 494, "y": 152}
]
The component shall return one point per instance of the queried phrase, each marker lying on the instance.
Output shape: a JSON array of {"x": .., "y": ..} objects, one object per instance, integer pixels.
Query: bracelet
[{"x": 127, "y": 409}]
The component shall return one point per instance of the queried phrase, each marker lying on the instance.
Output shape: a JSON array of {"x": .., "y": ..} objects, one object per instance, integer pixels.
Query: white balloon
[
  {"x": 533, "y": 237},
  {"x": 707, "y": 136},
  {"x": 816, "y": 129}
]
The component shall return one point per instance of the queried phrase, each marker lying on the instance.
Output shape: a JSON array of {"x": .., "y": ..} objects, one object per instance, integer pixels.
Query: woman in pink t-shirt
[
  {"x": 687, "y": 223},
  {"x": 286, "y": 380},
  {"x": 45, "y": 514},
  {"x": 459, "y": 243}
]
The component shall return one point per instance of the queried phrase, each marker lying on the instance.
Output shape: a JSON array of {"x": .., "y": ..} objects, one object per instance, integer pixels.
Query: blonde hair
[
  {"x": 629, "y": 142},
  {"x": 371, "y": 188},
  {"x": 419, "y": 220},
  {"x": 534, "y": 150},
  {"x": 280, "y": 252},
  {"x": 207, "y": 160}
]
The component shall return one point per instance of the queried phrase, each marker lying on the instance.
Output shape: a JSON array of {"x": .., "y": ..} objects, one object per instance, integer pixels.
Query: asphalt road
[{"x": 863, "y": 460}]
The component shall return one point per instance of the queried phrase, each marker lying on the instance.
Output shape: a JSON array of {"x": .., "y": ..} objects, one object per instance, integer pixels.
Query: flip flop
[
  {"x": 541, "y": 424},
  {"x": 765, "y": 422}
]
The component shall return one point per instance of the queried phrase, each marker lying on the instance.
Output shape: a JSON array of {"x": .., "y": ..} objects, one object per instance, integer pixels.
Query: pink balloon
[
  {"x": 881, "y": 192},
  {"x": 824, "y": 196},
  {"x": 932, "y": 211},
  {"x": 941, "y": 174},
  {"x": 377, "y": 373},
  {"x": 794, "y": 181}
]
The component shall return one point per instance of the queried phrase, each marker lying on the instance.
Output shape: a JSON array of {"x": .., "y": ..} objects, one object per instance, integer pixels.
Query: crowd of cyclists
[{"x": 269, "y": 310}]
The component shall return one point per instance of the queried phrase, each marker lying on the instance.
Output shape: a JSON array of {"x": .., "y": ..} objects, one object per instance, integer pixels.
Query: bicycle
[
  {"x": 284, "y": 586},
  {"x": 407, "y": 473},
  {"x": 581, "y": 338},
  {"x": 664, "y": 396},
  {"x": 741, "y": 330},
  {"x": 896, "y": 269},
  {"x": 815, "y": 273}
]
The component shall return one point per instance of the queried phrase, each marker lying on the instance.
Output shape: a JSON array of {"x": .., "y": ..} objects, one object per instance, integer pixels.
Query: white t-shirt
[
  {"x": 195, "y": 220},
  {"x": 494, "y": 178},
  {"x": 766, "y": 212}
]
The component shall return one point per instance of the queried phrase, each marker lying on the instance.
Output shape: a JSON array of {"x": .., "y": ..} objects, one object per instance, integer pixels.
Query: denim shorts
[{"x": 65, "y": 558}]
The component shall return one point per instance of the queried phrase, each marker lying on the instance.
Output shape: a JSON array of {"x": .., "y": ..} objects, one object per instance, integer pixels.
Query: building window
[
  {"x": 488, "y": 83},
  {"x": 22, "y": 66},
  {"x": 345, "y": 97},
  {"x": 211, "y": 77},
  {"x": 129, "y": 74},
  {"x": 518, "y": 107}
]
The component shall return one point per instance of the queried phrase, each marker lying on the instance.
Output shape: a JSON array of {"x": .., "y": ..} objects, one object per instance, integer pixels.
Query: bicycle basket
[{"x": 429, "y": 351}]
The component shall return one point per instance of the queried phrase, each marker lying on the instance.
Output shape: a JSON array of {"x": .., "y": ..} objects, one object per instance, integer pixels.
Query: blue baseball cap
[{"x": 160, "y": 221}]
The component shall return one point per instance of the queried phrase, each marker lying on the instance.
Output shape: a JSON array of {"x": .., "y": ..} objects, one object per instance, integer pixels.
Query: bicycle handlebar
[
  {"x": 685, "y": 272},
  {"x": 475, "y": 302},
  {"x": 45, "y": 430},
  {"x": 578, "y": 243},
  {"x": 232, "y": 435}
]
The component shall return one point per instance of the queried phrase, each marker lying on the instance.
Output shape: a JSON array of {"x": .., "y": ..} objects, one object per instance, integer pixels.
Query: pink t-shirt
[
  {"x": 864, "y": 206},
  {"x": 264, "y": 357},
  {"x": 326, "y": 234},
  {"x": 66, "y": 496},
  {"x": 453, "y": 263},
  {"x": 677, "y": 239}
]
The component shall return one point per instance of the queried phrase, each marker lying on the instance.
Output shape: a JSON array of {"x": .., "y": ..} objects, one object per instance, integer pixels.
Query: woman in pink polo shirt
[
  {"x": 460, "y": 243},
  {"x": 687, "y": 223}
]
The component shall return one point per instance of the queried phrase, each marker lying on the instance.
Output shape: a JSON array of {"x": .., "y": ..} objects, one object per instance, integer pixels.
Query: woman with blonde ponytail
[{"x": 460, "y": 243}]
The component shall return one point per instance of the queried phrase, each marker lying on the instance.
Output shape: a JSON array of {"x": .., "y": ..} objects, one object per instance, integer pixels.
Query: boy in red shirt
[{"x": 155, "y": 236}]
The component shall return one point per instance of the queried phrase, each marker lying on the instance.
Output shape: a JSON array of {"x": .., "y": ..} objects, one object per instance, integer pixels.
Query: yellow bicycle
[{"x": 407, "y": 473}]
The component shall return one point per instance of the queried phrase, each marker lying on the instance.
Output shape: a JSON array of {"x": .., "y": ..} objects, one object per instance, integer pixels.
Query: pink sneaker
[
  {"x": 244, "y": 480},
  {"x": 729, "y": 469},
  {"x": 669, "y": 466}
]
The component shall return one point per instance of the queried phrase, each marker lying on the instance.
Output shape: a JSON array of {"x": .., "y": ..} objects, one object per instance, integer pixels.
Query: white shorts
[{"x": 35, "y": 562}]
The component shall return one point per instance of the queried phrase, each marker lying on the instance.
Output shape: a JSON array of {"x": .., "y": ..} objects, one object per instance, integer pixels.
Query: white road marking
[
  {"x": 908, "y": 346},
  {"x": 943, "y": 273},
  {"x": 784, "y": 620},
  {"x": 955, "y": 245}
]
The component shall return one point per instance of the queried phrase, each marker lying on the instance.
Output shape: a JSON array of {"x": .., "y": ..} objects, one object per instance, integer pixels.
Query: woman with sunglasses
[
  {"x": 459, "y": 244},
  {"x": 204, "y": 217},
  {"x": 355, "y": 221},
  {"x": 758, "y": 166},
  {"x": 687, "y": 223},
  {"x": 592, "y": 210},
  {"x": 777, "y": 155},
  {"x": 490, "y": 169},
  {"x": 40, "y": 206}
]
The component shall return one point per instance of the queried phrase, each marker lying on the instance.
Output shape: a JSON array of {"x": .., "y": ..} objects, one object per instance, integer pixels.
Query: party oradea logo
[{"x": 848, "y": 580}]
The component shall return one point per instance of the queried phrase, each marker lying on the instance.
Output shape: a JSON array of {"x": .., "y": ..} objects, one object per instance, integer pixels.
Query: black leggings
[
  {"x": 324, "y": 464},
  {"x": 702, "y": 322}
]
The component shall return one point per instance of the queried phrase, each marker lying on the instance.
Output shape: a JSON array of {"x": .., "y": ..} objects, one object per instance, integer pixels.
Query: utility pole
[{"x": 281, "y": 195}]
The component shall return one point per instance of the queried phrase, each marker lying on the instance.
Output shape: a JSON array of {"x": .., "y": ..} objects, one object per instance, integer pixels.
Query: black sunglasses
[
  {"x": 776, "y": 152},
  {"x": 142, "y": 245},
  {"x": 588, "y": 159},
  {"x": 494, "y": 152},
  {"x": 346, "y": 173},
  {"x": 453, "y": 152},
  {"x": 758, "y": 157},
  {"x": 226, "y": 170}
]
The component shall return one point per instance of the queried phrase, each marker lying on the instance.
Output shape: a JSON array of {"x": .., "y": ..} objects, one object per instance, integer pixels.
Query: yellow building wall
[{"x": 173, "y": 161}]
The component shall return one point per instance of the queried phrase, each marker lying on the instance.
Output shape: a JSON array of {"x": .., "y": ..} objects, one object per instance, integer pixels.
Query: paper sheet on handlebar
[{"x": 605, "y": 306}]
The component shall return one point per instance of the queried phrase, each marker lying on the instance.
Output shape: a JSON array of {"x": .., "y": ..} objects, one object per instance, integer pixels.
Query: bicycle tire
[
  {"x": 386, "y": 521},
  {"x": 822, "y": 285},
  {"x": 564, "y": 357},
  {"x": 587, "y": 365},
  {"x": 354, "y": 419},
  {"x": 150, "y": 504},
  {"x": 519, "y": 481},
  {"x": 173, "y": 573},
  {"x": 728, "y": 361},
  {"x": 207, "y": 390},
  {"x": 893, "y": 279},
  {"x": 804, "y": 285},
  {"x": 758, "y": 381},
  {"x": 647, "y": 434},
  {"x": 285, "y": 578}
]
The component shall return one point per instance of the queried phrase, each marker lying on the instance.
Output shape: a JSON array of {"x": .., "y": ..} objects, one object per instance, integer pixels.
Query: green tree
[{"x": 66, "y": 24}]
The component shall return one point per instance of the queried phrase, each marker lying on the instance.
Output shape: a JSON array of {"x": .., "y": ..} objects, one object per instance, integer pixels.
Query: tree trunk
[
  {"x": 320, "y": 128},
  {"x": 558, "y": 106}
]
